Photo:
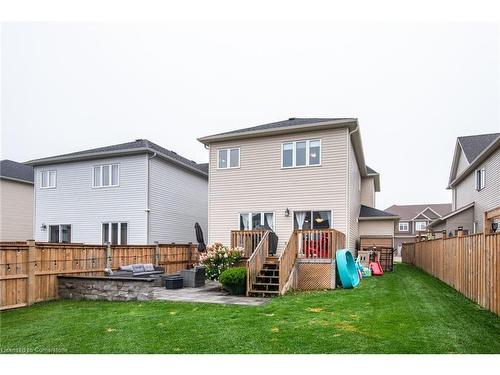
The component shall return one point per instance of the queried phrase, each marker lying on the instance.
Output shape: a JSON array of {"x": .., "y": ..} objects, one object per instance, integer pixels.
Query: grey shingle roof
[
  {"x": 283, "y": 124},
  {"x": 473, "y": 145},
  {"x": 366, "y": 211},
  {"x": 14, "y": 170},
  {"x": 370, "y": 170},
  {"x": 409, "y": 211},
  {"x": 129, "y": 146}
]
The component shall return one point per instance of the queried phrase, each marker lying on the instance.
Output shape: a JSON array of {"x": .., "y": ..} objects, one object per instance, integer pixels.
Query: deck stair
[{"x": 267, "y": 281}]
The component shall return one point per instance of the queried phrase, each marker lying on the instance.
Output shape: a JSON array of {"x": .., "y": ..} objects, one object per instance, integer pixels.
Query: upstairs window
[
  {"x": 48, "y": 179},
  {"x": 480, "y": 179},
  {"x": 106, "y": 175},
  {"x": 420, "y": 225},
  {"x": 403, "y": 226},
  {"x": 301, "y": 153},
  {"x": 228, "y": 158}
]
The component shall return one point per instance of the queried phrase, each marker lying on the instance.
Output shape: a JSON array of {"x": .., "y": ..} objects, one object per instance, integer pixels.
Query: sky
[{"x": 414, "y": 87}]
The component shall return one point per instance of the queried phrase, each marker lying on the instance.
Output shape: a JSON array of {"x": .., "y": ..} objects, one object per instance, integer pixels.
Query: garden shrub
[
  {"x": 219, "y": 258},
  {"x": 234, "y": 280}
]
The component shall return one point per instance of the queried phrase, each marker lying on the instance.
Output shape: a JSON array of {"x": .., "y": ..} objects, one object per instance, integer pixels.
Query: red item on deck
[{"x": 376, "y": 268}]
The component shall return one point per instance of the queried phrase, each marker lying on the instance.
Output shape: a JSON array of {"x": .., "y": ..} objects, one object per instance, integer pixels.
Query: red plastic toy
[{"x": 376, "y": 268}]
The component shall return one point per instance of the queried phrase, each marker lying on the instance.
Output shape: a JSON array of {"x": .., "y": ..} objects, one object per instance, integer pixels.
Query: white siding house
[{"x": 133, "y": 193}]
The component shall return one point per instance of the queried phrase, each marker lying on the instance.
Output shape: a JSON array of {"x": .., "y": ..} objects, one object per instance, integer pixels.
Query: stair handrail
[
  {"x": 286, "y": 262},
  {"x": 257, "y": 260}
]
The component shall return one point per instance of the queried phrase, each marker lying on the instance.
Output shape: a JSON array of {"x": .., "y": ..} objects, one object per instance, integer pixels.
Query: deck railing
[
  {"x": 319, "y": 243},
  {"x": 287, "y": 261},
  {"x": 256, "y": 260},
  {"x": 247, "y": 239}
]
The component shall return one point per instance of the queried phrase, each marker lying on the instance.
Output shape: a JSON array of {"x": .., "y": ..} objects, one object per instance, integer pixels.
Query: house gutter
[
  {"x": 348, "y": 206},
  {"x": 148, "y": 210}
]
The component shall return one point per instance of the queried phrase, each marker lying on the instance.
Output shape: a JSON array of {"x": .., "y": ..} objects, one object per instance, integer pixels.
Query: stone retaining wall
[{"x": 104, "y": 288}]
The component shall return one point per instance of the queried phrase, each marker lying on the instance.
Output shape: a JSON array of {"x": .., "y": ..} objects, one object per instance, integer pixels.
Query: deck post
[{"x": 31, "y": 286}]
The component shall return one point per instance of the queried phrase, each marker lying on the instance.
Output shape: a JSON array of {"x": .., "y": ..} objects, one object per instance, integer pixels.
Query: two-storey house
[
  {"x": 130, "y": 193},
  {"x": 474, "y": 182},
  {"x": 414, "y": 219},
  {"x": 16, "y": 201},
  {"x": 301, "y": 173}
]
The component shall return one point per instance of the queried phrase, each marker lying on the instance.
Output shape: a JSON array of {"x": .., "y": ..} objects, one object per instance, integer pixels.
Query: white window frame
[
  {"x": 407, "y": 226},
  {"x": 420, "y": 230},
  {"x": 311, "y": 212},
  {"x": 48, "y": 172},
  {"x": 101, "y": 167},
  {"x": 60, "y": 232},
  {"x": 294, "y": 151},
  {"x": 108, "y": 223},
  {"x": 482, "y": 179},
  {"x": 262, "y": 220},
  {"x": 229, "y": 157}
]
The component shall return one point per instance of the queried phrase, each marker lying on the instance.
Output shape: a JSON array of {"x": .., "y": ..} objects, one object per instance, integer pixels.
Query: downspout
[
  {"x": 148, "y": 211},
  {"x": 348, "y": 208},
  {"x": 207, "y": 147}
]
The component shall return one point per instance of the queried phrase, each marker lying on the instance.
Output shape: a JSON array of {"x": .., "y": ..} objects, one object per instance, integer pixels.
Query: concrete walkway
[{"x": 212, "y": 292}]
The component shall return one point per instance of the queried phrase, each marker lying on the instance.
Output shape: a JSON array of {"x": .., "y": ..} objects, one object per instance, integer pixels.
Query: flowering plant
[{"x": 219, "y": 258}]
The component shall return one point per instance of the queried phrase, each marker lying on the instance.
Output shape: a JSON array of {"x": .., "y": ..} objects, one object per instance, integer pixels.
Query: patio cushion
[
  {"x": 138, "y": 268},
  {"x": 149, "y": 267}
]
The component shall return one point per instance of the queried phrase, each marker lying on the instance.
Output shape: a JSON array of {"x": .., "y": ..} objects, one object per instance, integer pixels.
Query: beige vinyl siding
[
  {"x": 354, "y": 199},
  {"x": 260, "y": 184},
  {"x": 178, "y": 199},
  {"x": 16, "y": 214},
  {"x": 368, "y": 191},
  {"x": 486, "y": 199},
  {"x": 376, "y": 228}
]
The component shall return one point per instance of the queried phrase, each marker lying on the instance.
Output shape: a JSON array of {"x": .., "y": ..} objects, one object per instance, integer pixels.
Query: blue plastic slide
[{"x": 348, "y": 272}]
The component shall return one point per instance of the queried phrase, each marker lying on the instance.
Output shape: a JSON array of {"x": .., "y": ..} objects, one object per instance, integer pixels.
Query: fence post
[
  {"x": 157, "y": 253},
  {"x": 108, "y": 255},
  {"x": 31, "y": 287}
]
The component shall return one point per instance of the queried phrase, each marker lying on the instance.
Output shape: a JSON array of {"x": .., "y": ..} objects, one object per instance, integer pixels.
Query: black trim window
[
  {"x": 480, "y": 179},
  {"x": 60, "y": 233}
]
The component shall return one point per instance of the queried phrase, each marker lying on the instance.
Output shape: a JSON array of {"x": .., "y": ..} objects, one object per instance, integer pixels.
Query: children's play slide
[
  {"x": 348, "y": 272},
  {"x": 376, "y": 268}
]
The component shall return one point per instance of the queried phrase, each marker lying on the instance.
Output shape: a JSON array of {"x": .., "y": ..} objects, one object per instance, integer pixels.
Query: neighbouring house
[
  {"x": 414, "y": 219},
  {"x": 474, "y": 182},
  {"x": 129, "y": 193},
  {"x": 301, "y": 173},
  {"x": 16, "y": 201}
]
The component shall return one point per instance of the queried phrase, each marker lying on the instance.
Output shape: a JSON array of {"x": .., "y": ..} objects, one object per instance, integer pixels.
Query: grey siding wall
[
  {"x": 260, "y": 184},
  {"x": 178, "y": 199},
  {"x": 16, "y": 213},
  {"x": 354, "y": 199},
  {"x": 74, "y": 201},
  {"x": 486, "y": 199}
]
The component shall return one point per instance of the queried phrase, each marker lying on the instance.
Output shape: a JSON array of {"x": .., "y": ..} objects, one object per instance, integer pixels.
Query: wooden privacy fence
[
  {"x": 470, "y": 264},
  {"x": 28, "y": 270}
]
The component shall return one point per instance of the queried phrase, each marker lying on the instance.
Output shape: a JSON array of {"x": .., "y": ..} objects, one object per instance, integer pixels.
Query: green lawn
[{"x": 405, "y": 311}]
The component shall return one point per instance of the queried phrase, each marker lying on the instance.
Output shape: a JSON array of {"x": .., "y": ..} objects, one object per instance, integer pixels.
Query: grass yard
[{"x": 406, "y": 311}]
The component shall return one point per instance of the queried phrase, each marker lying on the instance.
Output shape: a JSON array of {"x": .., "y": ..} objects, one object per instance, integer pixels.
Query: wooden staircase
[{"x": 267, "y": 282}]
